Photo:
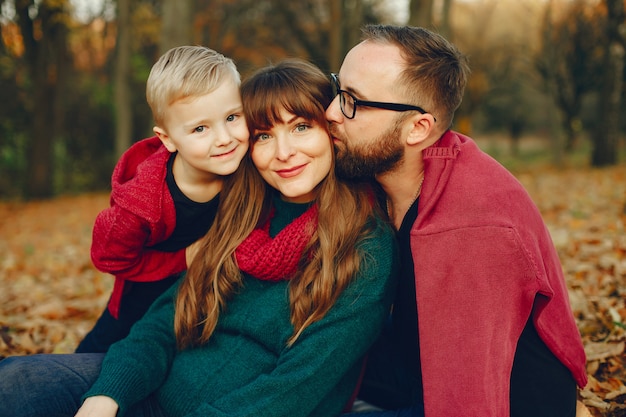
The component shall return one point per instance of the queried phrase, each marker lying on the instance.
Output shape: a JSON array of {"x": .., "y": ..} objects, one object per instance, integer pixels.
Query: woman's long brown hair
[{"x": 345, "y": 212}]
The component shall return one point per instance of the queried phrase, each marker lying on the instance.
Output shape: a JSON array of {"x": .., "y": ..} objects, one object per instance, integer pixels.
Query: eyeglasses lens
[
  {"x": 346, "y": 101},
  {"x": 347, "y": 104}
]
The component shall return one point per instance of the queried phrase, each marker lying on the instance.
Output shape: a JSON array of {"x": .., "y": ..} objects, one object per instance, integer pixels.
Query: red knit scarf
[{"x": 275, "y": 259}]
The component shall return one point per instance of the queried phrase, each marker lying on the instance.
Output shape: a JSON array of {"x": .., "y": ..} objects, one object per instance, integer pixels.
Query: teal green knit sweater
[{"x": 246, "y": 369}]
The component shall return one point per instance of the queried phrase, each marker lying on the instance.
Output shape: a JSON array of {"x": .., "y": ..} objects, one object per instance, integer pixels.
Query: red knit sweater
[
  {"x": 141, "y": 215},
  {"x": 484, "y": 262}
]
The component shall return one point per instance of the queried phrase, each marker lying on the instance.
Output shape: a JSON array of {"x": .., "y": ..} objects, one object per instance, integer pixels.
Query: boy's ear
[{"x": 165, "y": 139}]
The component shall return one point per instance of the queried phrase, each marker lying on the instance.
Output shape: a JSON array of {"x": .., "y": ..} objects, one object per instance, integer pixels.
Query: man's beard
[{"x": 365, "y": 161}]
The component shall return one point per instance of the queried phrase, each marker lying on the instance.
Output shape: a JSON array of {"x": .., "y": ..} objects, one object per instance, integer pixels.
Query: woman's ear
[
  {"x": 422, "y": 127},
  {"x": 165, "y": 139}
]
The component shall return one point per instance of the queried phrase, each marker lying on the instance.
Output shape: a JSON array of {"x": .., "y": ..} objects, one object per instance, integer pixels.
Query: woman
[{"x": 272, "y": 320}]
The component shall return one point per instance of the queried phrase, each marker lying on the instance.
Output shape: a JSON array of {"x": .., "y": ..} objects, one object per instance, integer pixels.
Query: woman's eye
[
  {"x": 301, "y": 127},
  {"x": 231, "y": 118},
  {"x": 262, "y": 136}
]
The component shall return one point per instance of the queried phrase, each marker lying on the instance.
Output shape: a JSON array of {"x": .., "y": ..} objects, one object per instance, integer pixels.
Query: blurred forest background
[
  {"x": 73, "y": 72},
  {"x": 546, "y": 98}
]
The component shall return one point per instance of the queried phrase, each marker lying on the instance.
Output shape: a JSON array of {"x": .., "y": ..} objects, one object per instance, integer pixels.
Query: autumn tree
[
  {"x": 335, "y": 41},
  {"x": 123, "y": 105},
  {"x": 476, "y": 40},
  {"x": 176, "y": 23},
  {"x": 507, "y": 103},
  {"x": 444, "y": 26},
  {"x": 346, "y": 19},
  {"x": 605, "y": 136},
  {"x": 14, "y": 121},
  {"x": 569, "y": 61},
  {"x": 45, "y": 59},
  {"x": 422, "y": 13},
  {"x": 257, "y": 32}
]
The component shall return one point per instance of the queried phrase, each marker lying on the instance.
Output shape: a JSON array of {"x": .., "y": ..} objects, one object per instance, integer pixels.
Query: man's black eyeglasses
[{"x": 348, "y": 103}]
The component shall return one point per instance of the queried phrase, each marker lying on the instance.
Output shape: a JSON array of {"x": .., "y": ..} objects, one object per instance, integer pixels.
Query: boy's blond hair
[{"x": 186, "y": 71}]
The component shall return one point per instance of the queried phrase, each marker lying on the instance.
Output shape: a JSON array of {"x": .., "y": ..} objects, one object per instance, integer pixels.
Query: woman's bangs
[{"x": 264, "y": 110}]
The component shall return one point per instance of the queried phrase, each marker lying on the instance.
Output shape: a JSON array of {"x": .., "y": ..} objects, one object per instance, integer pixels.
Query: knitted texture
[
  {"x": 142, "y": 214},
  {"x": 488, "y": 288},
  {"x": 275, "y": 259}
]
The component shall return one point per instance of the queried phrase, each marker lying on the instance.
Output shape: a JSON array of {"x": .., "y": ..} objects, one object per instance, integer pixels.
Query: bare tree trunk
[
  {"x": 177, "y": 24},
  {"x": 421, "y": 13},
  {"x": 336, "y": 47},
  {"x": 353, "y": 24},
  {"x": 123, "y": 107},
  {"x": 42, "y": 59},
  {"x": 445, "y": 28},
  {"x": 607, "y": 131}
]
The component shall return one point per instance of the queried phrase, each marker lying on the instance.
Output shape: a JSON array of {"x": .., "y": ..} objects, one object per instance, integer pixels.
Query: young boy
[{"x": 165, "y": 189}]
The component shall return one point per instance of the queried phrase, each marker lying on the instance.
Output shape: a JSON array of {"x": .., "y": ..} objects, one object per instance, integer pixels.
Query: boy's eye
[
  {"x": 199, "y": 129},
  {"x": 231, "y": 117}
]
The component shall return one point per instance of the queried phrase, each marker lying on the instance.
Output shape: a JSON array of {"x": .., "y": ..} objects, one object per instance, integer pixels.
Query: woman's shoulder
[
  {"x": 379, "y": 251},
  {"x": 380, "y": 232}
]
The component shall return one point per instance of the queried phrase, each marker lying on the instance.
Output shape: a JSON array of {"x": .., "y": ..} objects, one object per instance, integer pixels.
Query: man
[{"x": 481, "y": 324}]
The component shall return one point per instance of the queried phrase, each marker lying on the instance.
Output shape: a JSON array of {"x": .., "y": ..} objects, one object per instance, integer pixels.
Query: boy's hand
[{"x": 98, "y": 406}]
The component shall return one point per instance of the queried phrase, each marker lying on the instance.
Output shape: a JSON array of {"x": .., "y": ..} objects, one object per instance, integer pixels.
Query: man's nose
[{"x": 333, "y": 112}]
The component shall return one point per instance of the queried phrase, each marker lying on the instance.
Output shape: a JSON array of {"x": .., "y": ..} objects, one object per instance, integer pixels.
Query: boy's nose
[{"x": 223, "y": 136}]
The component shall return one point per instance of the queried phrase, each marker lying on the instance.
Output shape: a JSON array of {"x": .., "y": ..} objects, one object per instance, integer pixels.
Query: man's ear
[
  {"x": 421, "y": 128},
  {"x": 165, "y": 139}
]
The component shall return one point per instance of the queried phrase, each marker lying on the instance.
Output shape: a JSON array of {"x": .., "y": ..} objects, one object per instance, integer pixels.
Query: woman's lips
[{"x": 290, "y": 172}]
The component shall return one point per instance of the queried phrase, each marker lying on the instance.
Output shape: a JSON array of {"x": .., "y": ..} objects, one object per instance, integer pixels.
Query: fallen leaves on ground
[
  {"x": 585, "y": 211},
  {"x": 50, "y": 293}
]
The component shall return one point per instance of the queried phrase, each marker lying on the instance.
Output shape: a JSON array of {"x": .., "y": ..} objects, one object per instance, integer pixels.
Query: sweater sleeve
[
  {"x": 137, "y": 365},
  {"x": 327, "y": 351},
  {"x": 119, "y": 248}
]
